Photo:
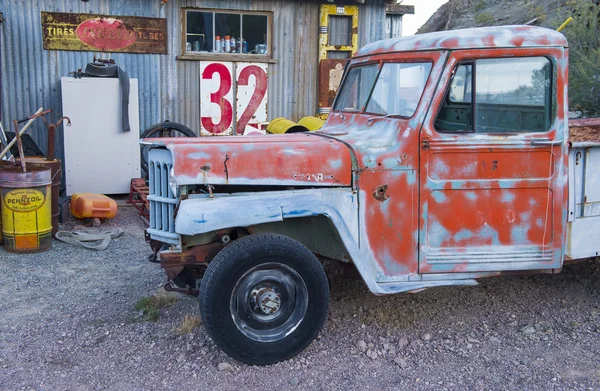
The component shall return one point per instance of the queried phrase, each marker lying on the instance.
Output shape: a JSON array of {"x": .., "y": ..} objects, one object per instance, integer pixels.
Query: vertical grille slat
[
  {"x": 151, "y": 190},
  {"x": 161, "y": 197}
]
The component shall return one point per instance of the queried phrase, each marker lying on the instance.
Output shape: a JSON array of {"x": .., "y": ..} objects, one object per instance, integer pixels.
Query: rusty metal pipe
[
  {"x": 20, "y": 146},
  {"x": 50, "y": 154},
  {"x": 51, "y": 133},
  {"x": 34, "y": 116}
]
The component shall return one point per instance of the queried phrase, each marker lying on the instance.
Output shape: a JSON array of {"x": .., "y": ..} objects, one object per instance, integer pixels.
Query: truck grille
[{"x": 162, "y": 200}]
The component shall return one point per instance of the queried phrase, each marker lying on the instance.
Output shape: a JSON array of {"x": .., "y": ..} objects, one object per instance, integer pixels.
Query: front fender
[{"x": 201, "y": 214}]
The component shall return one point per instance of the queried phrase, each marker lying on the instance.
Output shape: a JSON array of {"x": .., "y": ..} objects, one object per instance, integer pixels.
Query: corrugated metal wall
[{"x": 168, "y": 88}]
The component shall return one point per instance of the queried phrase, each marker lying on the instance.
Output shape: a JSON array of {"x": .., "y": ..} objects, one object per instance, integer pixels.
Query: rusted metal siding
[{"x": 168, "y": 88}]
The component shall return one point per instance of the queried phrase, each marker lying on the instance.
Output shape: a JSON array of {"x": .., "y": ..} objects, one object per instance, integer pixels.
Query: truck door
[{"x": 492, "y": 163}]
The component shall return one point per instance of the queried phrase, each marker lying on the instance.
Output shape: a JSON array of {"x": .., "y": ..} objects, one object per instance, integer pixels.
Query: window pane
[
  {"x": 399, "y": 88},
  {"x": 227, "y": 26},
  {"x": 356, "y": 88},
  {"x": 513, "y": 95},
  {"x": 340, "y": 30},
  {"x": 456, "y": 112},
  {"x": 199, "y": 31},
  {"x": 255, "y": 33},
  {"x": 460, "y": 89}
]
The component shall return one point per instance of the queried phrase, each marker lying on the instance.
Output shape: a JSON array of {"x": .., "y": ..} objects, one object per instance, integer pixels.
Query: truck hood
[{"x": 287, "y": 160}]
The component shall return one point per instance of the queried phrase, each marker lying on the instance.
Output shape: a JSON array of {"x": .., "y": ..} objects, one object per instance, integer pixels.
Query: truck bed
[
  {"x": 584, "y": 130},
  {"x": 583, "y": 229}
]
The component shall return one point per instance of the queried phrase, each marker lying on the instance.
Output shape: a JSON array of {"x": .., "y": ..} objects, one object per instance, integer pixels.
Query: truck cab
[{"x": 445, "y": 159}]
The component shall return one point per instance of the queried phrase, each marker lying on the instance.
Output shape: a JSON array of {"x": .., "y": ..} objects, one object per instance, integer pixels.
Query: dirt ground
[{"x": 68, "y": 322}]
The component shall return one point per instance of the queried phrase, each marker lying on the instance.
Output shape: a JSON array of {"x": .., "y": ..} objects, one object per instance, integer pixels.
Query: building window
[
  {"x": 511, "y": 95},
  {"x": 226, "y": 33}
]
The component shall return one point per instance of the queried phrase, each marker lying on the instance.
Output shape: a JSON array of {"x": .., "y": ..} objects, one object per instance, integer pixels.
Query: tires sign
[{"x": 221, "y": 111}]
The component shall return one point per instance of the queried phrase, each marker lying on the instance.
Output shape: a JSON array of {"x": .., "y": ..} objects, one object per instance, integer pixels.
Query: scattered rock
[
  {"x": 362, "y": 345},
  {"x": 543, "y": 328},
  {"x": 528, "y": 330},
  {"x": 495, "y": 339},
  {"x": 224, "y": 367},
  {"x": 295, "y": 381},
  {"x": 402, "y": 343},
  {"x": 372, "y": 354},
  {"x": 400, "y": 362},
  {"x": 426, "y": 337}
]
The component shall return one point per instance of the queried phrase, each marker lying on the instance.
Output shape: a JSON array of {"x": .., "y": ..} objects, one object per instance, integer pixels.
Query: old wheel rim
[{"x": 268, "y": 302}]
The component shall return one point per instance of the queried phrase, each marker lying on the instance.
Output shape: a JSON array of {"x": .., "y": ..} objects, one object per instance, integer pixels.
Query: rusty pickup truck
[{"x": 446, "y": 158}]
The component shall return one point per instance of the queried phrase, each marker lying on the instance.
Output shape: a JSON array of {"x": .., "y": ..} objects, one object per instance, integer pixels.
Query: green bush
[
  {"x": 484, "y": 19},
  {"x": 584, "y": 64}
]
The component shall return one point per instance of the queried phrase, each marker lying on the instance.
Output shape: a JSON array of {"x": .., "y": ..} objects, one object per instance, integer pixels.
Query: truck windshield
[
  {"x": 396, "y": 90},
  {"x": 356, "y": 88}
]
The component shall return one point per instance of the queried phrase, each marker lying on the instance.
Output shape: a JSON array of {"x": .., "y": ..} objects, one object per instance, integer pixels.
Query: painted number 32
[{"x": 216, "y": 88}]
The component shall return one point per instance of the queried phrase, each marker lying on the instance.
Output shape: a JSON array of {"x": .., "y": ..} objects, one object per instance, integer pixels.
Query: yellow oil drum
[
  {"x": 311, "y": 123},
  {"x": 284, "y": 125},
  {"x": 26, "y": 199},
  {"x": 56, "y": 171}
]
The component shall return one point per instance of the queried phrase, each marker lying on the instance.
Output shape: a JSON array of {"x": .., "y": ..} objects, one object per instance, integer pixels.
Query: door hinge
[{"x": 426, "y": 144}]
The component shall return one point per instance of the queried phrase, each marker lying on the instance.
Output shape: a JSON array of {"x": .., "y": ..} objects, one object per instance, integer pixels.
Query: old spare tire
[
  {"x": 163, "y": 129},
  {"x": 264, "y": 298}
]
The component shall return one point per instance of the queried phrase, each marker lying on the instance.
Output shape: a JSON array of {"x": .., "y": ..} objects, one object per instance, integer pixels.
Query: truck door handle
[{"x": 546, "y": 142}]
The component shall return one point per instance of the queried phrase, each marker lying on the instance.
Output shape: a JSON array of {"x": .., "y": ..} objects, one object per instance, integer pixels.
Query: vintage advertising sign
[
  {"x": 24, "y": 200},
  {"x": 226, "y": 87},
  {"x": 102, "y": 33}
]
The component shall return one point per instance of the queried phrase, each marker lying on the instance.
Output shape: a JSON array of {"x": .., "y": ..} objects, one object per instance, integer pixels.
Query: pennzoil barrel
[
  {"x": 56, "y": 171},
  {"x": 26, "y": 199}
]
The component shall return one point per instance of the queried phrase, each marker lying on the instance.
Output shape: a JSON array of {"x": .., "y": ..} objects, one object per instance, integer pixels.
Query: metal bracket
[{"x": 426, "y": 145}]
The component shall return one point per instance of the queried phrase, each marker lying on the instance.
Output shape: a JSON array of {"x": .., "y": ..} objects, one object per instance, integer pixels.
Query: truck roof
[{"x": 474, "y": 38}]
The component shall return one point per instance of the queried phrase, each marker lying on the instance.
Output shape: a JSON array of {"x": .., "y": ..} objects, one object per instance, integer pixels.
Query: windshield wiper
[{"x": 370, "y": 120}]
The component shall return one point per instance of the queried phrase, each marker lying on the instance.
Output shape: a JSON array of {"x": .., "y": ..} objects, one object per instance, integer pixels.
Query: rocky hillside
[{"x": 478, "y": 13}]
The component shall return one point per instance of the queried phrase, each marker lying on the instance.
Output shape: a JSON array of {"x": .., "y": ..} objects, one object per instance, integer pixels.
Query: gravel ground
[{"x": 67, "y": 322}]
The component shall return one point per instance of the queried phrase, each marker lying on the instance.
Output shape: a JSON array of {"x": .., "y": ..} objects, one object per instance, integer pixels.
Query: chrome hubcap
[{"x": 268, "y": 302}]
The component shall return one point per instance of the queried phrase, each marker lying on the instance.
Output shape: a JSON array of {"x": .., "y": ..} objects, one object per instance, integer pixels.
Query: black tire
[
  {"x": 270, "y": 265},
  {"x": 163, "y": 129}
]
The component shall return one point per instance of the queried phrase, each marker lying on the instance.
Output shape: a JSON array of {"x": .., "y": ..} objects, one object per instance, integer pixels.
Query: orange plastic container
[{"x": 88, "y": 205}]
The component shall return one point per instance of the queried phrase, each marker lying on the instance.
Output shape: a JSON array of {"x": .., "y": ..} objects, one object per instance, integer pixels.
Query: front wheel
[{"x": 264, "y": 298}]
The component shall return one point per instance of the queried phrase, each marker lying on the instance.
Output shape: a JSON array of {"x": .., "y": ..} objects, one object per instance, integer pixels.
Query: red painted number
[
  {"x": 218, "y": 97},
  {"x": 257, "y": 96}
]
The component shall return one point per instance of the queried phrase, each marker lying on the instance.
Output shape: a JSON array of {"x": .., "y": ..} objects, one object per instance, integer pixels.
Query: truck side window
[
  {"x": 398, "y": 89},
  {"x": 512, "y": 95},
  {"x": 456, "y": 112},
  {"x": 356, "y": 89}
]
